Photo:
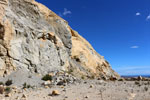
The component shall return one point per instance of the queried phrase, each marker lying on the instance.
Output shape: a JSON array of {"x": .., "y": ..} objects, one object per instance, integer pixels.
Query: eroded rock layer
[{"x": 35, "y": 39}]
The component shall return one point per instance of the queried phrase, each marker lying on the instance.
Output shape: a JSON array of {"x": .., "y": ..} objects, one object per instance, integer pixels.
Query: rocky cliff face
[{"x": 35, "y": 39}]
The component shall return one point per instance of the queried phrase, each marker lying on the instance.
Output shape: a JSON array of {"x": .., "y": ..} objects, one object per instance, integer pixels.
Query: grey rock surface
[
  {"x": 34, "y": 40},
  {"x": 32, "y": 44}
]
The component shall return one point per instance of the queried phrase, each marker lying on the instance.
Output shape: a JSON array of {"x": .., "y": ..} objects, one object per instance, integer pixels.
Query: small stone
[
  {"x": 14, "y": 87},
  {"x": 86, "y": 96},
  {"x": 132, "y": 95},
  {"x": 64, "y": 90},
  {"x": 98, "y": 78},
  {"x": 24, "y": 96},
  {"x": 51, "y": 74},
  {"x": 17, "y": 98},
  {"x": 140, "y": 78},
  {"x": 19, "y": 91},
  {"x": 101, "y": 81},
  {"x": 55, "y": 92},
  {"x": 91, "y": 86},
  {"x": 66, "y": 96},
  {"x": 15, "y": 91},
  {"x": 25, "y": 89},
  {"x": 61, "y": 86},
  {"x": 85, "y": 82},
  {"x": 39, "y": 89},
  {"x": 60, "y": 83},
  {"x": 8, "y": 95},
  {"x": 46, "y": 87},
  {"x": 47, "y": 83}
]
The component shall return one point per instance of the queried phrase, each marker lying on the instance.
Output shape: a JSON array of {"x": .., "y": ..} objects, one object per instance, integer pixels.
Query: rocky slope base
[{"x": 34, "y": 40}]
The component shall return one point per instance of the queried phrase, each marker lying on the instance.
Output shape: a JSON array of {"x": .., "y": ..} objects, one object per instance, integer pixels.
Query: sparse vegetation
[
  {"x": 47, "y": 77},
  {"x": 1, "y": 83},
  {"x": 146, "y": 88},
  {"x": 121, "y": 79},
  {"x": 8, "y": 89},
  {"x": 25, "y": 85},
  {"x": 82, "y": 77},
  {"x": 70, "y": 71},
  {"x": 8, "y": 82},
  {"x": 137, "y": 83},
  {"x": 91, "y": 76}
]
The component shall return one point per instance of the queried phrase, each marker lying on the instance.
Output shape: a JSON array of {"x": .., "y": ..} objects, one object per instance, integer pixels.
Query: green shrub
[
  {"x": 47, "y": 77},
  {"x": 8, "y": 82},
  {"x": 25, "y": 85},
  {"x": 92, "y": 77},
  {"x": 83, "y": 77},
  {"x": 8, "y": 89},
  {"x": 1, "y": 83}
]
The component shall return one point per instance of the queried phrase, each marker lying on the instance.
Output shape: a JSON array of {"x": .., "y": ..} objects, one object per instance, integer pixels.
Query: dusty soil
[{"x": 86, "y": 90}]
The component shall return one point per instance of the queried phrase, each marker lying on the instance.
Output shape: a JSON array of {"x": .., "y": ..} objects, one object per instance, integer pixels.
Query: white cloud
[
  {"x": 148, "y": 17},
  {"x": 138, "y": 14},
  {"x": 66, "y": 12},
  {"x": 134, "y": 47}
]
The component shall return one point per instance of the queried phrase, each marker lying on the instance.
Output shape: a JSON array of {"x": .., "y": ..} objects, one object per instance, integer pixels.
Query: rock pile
[{"x": 60, "y": 79}]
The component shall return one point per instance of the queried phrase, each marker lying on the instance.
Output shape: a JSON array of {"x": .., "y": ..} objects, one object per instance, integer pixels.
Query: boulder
[
  {"x": 55, "y": 92},
  {"x": 139, "y": 78}
]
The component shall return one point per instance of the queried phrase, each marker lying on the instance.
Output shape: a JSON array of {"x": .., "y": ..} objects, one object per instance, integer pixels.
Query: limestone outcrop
[{"x": 35, "y": 39}]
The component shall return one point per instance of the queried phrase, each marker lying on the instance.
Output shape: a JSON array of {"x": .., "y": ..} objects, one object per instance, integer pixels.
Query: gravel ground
[{"x": 85, "y": 90}]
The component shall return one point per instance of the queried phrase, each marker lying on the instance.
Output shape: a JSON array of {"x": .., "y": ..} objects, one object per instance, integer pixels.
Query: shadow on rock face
[{"x": 1, "y": 31}]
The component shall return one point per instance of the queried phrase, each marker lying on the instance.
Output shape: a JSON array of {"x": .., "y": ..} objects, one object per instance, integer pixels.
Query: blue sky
[{"x": 118, "y": 29}]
